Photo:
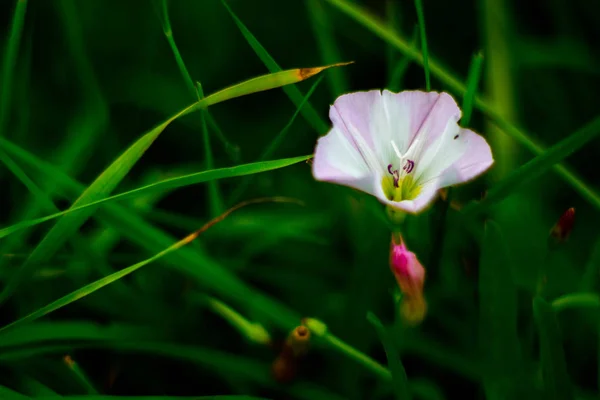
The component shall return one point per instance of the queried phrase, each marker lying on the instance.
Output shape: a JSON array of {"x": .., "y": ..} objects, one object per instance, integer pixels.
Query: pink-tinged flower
[
  {"x": 407, "y": 269},
  {"x": 399, "y": 147}
]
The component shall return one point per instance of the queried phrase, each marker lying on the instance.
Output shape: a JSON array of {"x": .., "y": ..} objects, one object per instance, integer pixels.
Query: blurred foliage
[{"x": 82, "y": 80}]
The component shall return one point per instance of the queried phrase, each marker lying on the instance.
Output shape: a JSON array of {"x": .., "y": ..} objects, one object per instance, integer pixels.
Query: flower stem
[{"x": 358, "y": 356}]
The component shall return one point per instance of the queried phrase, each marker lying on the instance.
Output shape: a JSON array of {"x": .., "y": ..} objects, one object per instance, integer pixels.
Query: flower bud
[
  {"x": 413, "y": 310},
  {"x": 407, "y": 269},
  {"x": 561, "y": 230}
]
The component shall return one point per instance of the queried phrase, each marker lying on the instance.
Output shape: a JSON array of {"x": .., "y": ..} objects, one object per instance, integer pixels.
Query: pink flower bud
[{"x": 407, "y": 269}]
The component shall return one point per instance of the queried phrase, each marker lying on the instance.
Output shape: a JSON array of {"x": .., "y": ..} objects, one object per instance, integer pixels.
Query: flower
[
  {"x": 399, "y": 147},
  {"x": 407, "y": 269},
  {"x": 410, "y": 276}
]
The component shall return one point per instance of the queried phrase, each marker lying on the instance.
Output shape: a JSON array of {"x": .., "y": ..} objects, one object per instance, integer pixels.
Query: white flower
[{"x": 399, "y": 147}]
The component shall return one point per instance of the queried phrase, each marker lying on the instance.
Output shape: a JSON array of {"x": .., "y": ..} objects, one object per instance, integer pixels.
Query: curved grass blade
[
  {"x": 535, "y": 167},
  {"x": 399, "y": 379},
  {"x": 166, "y": 184},
  {"x": 380, "y": 29},
  {"x": 112, "y": 176},
  {"x": 557, "y": 383},
  {"x": 576, "y": 300},
  {"x": 504, "y": 377},
  {"x": 10, "y": 61},
  {"x": 424, "y": 52},
  {"x": 100, "y": 283},
  {"x": 309, "y": 113},
  {"x": 274, "y": 145}
]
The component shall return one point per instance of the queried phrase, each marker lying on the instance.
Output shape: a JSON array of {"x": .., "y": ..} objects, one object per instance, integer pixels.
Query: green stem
[
  {"x": 358, "y": 356},
  {"x": 576, "y": 300},
  {"x": 424, "y": 52}
]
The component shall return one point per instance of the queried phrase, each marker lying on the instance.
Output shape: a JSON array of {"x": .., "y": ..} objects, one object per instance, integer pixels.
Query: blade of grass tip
[
  {"x": 166, "y": 184},
  {"x": 108, "y": 180},
  {"x": 330, "y": 53},
  {"x": 472, "y": 84},
  {"x": 424, "y": 52},
  {"x": 504, "y": 375},
  {"x": 399, "y": 379},
  {"x": 10, "y": 62},
  {"x": 309, "y": 113},
  {"x": 576, "y": 300},
  {"x": 535, "y": 167},
  {"x": 557, "y": 383},
  {"x": 273, "y": 146},
  {"x": 381, "y": 30},
  {"x": 100, "y": 283},
  {"x": 215, "y": 199},
  {"x": 398, "y": 72},
  {"x": 79, "y": 374}
]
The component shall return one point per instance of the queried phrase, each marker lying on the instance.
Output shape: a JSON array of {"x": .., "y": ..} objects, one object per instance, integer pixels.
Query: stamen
[
  {"x": 409, "y": 166},
  {"x": 395, "y": 174}
]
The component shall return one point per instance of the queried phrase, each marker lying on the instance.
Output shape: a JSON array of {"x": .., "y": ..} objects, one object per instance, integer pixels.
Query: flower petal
[
  {"x": 338, "y": 161},
  {"x": 476, "y": 159}
]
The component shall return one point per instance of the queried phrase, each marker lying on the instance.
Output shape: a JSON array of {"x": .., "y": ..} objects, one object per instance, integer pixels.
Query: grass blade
[
  {"x": 10, "y": 62},
  {"x": 399, "y": 379},
  {"x": 166, "y": 184},
  {"x": 535, "y": 167},
  {"x": 215, "y": 199},
  {"x": 9, "y": 394},
  {"x": 327, "y": 46},
  {"x": 424, "y": 52},
  {"x": 100, "y": 283},
  {"x": 80, "y": 375},
  {"x": 437, "y": 70},
  {"x": 472, "y": 83},
  {"x": 557, "y": 383},
  {"x": 309, "y": 113},
  {"x": 397, "y": 73},
  {"x": 498, "y": 320},
  {"x": 112, "y": 176},
  {"x": 576, "y": 300},
  {"x": 273, "y": 146}
]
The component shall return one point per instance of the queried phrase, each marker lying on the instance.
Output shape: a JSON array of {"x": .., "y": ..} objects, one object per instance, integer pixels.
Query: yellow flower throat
[{"x": 407, "y": 188}]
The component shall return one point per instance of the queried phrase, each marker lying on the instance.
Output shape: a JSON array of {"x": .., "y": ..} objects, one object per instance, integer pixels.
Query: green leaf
[
  {"x": 472, "y": 83},
  {"x": 9, "y": 394},
  {"x": 535, "y": 167},
  {"x": 576, "y": 300},
  {"x": 381, "y": 30},
  {"x": 504, "y": 374},
  {"x": 399, "y": 378},
  {"x": 166, "y": 184},
  {"x": 309, "y": 113},
  {"x": 557, "y": 383}
]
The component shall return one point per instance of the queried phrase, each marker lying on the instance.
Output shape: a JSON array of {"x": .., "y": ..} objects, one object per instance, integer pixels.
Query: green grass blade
[
  {"x": 112, "y": 176},
  {"x": 166, "y": 184},
  {"x": 215, "y": 200},
  {"x": 100, "y": 283},
  {"x": 273, "y": 146},
  {"x": 576, "y": 300},
  {"x": 329, "y": 51},
  {"x": 309, "y": 113},
  {"x": 557, "y": 383},
  {"x": 503, "y": 378},
  {"x": 10, "y": 62},
  {"x": 80, "y": 375},
  {"x": 536, "y": 167},
  {"x": 399, "y": 379},
  {"x": 472, "y": 83},
  {"x": 437, "y": 70},
  {"x": 424, "y": 52}
]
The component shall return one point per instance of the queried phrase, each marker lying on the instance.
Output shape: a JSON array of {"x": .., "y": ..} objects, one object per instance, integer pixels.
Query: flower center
[{"x": 400, "y": 185}]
